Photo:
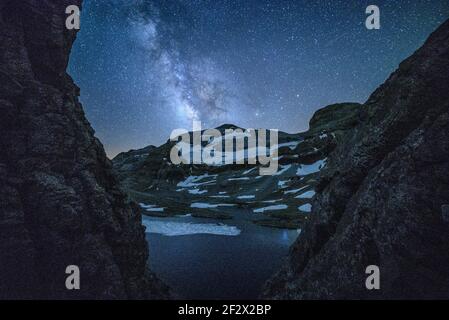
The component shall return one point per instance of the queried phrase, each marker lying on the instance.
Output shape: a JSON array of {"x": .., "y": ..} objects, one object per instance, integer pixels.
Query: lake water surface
[{"x": 206, "y": 259}]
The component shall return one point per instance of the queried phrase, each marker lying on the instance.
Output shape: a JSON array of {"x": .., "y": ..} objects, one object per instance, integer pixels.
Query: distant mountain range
[{"x": 282, "y": 200}]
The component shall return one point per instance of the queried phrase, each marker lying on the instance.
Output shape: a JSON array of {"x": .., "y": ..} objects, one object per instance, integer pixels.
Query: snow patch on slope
[
  {"x": 305, "y": 207},
  {"x": 306, "y": 169},
  {"x": 271, "y": 208},
  {"x": 150, "y": 207},
  {"x": 306, "y": 195},
  {"x": 173, "y": 229},
  {"x": 203, "y": 205},
  {"x": 194, "y": 181}
]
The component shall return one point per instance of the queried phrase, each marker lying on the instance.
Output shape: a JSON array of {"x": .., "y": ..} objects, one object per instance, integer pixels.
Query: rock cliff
[
  {"x": 59, "y": 201},
  {"x": 383, "y": 199}
]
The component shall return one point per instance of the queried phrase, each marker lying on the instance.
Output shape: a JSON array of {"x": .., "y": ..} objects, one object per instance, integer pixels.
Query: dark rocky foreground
[
  {"x": 59, "y": 202},
  {"x": 384, "y": 197}
]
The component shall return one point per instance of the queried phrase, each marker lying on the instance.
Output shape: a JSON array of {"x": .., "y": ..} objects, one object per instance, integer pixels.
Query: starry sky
[{"x": 146, "y": 67}]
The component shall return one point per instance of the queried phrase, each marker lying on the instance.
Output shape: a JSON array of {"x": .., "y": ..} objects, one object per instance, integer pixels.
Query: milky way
[
  {"x": 192, "y": 88},
  {"x": 148, "y": 67}
]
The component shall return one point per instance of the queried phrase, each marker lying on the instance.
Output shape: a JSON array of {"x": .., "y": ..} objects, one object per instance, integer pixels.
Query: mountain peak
[{"x": 228, "y": 126}]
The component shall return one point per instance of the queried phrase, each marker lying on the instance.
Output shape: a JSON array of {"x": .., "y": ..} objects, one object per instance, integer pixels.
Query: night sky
[{"x": 146, "y": 67}]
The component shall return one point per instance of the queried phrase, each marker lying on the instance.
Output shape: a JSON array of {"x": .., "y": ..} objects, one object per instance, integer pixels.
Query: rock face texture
[
  {"x": 59, "y": 202},
  {"x": 383, "y": 200}
]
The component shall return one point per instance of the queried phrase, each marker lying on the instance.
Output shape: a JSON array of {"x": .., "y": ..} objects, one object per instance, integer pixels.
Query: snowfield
[
  {"x": 203, "y": 205},
  {"x": 307, "y": 169},
  {"x": 246, "y": 197},
  {"x": 295, "y": 190},
  {"x": 271, "y": 208},
  {"x": 197, "y": 191},
  {"x": 150, "y": 207},
  {"x": 173, "y": 229},
  {"x": 292, "y": 145},
  {"x": 193, "y": 181},
  {"x": 238, "y": 179},
  {"x": 305, "y": 207},
  {"x": 306, "y": 195}
]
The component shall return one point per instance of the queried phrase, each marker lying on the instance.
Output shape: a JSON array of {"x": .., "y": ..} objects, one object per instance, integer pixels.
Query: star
[{"x": 146, "y": 68}]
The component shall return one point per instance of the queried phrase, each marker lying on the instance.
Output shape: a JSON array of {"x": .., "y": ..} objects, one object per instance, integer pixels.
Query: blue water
[{"x": 205, "y": 266}]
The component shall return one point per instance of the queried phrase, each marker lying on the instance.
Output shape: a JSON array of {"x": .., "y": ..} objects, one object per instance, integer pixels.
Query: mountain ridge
[
  {"x": 316, "y": 118},
  {"x": 166, "y": 190}
]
